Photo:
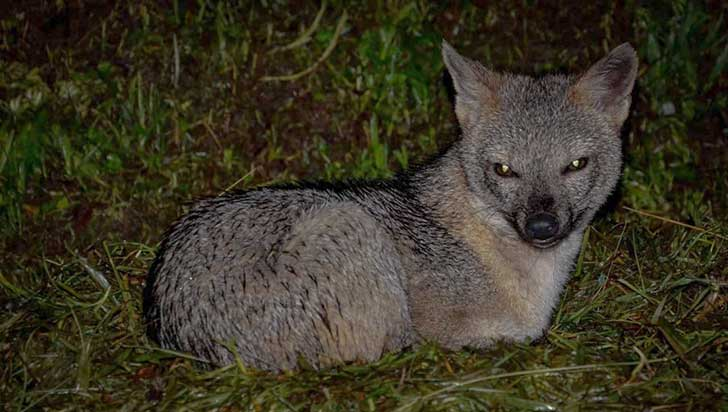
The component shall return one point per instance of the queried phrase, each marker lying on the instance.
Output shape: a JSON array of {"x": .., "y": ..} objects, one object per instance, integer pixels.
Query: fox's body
[{"x": 452, "y": 252}]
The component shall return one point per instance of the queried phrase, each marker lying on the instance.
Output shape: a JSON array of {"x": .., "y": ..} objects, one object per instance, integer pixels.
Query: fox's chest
[
  {"x": 529, "y": 283},
  {"x": 535, "y": 290}
]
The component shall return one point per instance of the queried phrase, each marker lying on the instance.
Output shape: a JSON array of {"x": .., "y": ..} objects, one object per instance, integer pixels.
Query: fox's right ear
[
  {"x": 475, "y": 86},
  {"x": 607, "y": 85}
]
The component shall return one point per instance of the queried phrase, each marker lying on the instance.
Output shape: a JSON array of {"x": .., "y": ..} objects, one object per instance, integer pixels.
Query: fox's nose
[{"x": 542, "y": 226}]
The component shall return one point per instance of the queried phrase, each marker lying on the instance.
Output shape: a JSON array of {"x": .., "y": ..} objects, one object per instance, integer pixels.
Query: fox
[{"x": 470, "y": 248}]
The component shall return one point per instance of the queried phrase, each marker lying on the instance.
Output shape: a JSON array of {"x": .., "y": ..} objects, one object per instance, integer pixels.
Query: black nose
[{"x": 542, "y": 226}]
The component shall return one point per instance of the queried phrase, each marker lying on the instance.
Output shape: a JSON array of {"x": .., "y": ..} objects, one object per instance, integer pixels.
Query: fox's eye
[
  {"x": 503, "y": 170},
  {"x": 576, "y": 164}
]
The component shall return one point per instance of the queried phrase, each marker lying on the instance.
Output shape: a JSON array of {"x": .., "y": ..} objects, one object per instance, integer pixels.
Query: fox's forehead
[
  {"x": 531, "y": 134},
  {"x": 545, "y": 138},
  {"x": 540, "y": 97},
  {"x": 538, "y": 114},
  {"x": 529, "y": 152}
]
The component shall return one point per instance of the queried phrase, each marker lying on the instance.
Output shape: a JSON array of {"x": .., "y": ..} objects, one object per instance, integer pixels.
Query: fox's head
[{"x": 541, "y": 155}]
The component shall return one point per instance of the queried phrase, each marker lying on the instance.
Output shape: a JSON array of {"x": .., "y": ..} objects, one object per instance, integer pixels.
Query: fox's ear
[
  {"x": 475, "y": 86},
  {"x": 607, "y": 85}
]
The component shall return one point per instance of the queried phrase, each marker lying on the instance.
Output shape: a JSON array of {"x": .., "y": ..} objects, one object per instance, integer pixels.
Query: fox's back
[{"x": 269, "y": 267}]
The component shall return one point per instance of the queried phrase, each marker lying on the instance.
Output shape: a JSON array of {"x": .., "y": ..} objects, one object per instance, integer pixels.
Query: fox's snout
[
  {"x": 542, "y": 226},
  {"x": 540, "y": 223}
]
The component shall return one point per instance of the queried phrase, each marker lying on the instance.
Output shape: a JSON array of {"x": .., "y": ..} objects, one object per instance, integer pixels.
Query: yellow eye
[
  {"x": 576, "y": 164},
  {"x": 503, "y": 170}
]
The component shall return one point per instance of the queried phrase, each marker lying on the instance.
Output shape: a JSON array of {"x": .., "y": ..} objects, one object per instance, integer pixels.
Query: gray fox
[{"x": 471, "y": 248}]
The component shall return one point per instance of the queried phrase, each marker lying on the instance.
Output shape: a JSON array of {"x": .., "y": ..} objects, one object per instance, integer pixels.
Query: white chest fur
[{"x": 529, "y": 282}]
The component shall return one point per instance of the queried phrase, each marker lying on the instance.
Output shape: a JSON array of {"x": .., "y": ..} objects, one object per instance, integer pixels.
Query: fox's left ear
[
  {"x": 607, "y": 85},
  {"x": 476, "y": 88}
]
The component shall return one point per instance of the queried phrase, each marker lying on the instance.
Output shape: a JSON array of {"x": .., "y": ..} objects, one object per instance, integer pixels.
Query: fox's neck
[{"x": 443, "y": 188}]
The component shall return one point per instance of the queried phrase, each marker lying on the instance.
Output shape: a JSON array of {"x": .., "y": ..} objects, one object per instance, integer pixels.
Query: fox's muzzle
[
  {"x": 542, "y": 226},
  {"x": 541, "y": 229}
]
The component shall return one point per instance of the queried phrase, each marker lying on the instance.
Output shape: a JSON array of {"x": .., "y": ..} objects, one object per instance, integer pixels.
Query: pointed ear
[
  {"x": 475, "y": 86},
  {"x": 607, "y": 85}
]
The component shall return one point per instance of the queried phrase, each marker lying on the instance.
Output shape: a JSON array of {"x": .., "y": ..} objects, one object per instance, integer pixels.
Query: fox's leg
[{"x": 336, "y": 295}]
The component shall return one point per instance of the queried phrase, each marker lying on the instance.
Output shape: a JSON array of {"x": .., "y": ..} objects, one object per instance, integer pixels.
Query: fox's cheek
[{"x": 499, "y": 190}]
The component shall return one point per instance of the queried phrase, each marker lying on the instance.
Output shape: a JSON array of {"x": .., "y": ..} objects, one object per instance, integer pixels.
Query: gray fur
[{"x": 335, "y": 274}]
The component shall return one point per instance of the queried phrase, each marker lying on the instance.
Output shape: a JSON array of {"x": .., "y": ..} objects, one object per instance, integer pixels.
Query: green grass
[{"x": 114, "y": 118}]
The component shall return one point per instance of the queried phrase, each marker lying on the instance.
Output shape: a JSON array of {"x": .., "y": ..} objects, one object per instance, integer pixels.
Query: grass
[{"x": 114, "y": 117}]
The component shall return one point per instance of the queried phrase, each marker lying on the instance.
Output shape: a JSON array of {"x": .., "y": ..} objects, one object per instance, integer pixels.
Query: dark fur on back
[{"x": 392, "y": 205}]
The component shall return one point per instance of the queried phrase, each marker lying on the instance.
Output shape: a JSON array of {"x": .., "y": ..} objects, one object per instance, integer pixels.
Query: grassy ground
[{"x": 113, "y": 117}]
